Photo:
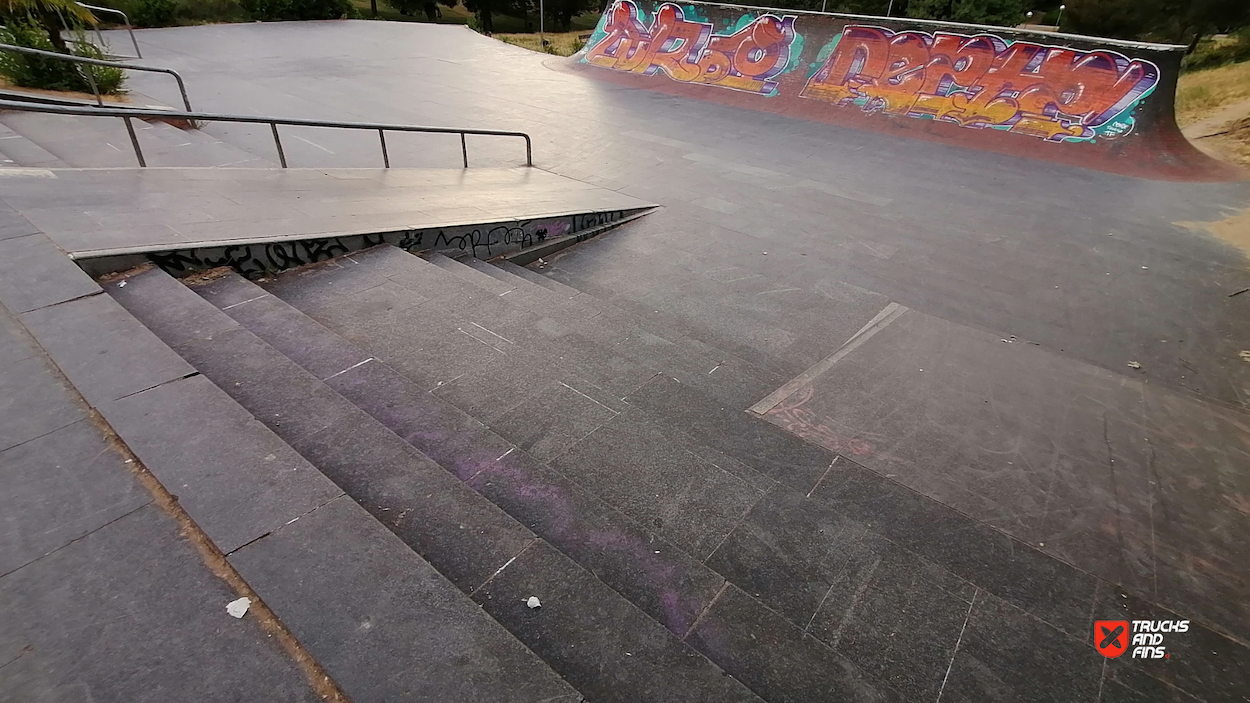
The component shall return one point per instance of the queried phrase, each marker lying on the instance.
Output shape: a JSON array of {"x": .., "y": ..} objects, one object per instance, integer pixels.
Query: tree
[
  {"x": 1181, "y": 21},
  {"x": 563, "y": 11},
  {"x": 52, "y": 16},
  {"x": 482, "y": 8},
  {"x": 1003, "y": 13}
]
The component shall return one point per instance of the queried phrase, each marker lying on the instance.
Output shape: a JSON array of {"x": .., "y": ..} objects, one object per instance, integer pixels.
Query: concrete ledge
[{"x": 534, "y": 253}]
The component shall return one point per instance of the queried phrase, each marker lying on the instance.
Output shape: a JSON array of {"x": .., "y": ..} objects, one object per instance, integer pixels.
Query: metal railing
[
  {"x": 95, "y": 90},
  {"x": 381, "y": 128},
  {"x": 125, "y": 21}
]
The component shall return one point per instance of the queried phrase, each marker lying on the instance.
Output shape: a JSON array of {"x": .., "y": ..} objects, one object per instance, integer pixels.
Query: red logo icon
[{"x": 1111, "y": 637}]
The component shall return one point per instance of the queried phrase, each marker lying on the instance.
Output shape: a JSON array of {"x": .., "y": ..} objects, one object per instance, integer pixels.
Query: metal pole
[
  {"x": 889, "y": 10},
  {"x": 278, "y": 143},
  {"x": 823, "y": 5},
  {"x": 542, "y": 43},
  {"x": 95, "y": 90},
  {"x": 464, "y": 150},
  {"x": 138, "y": 54},
  {"x": 182, "y": 88},
  {"x": 386, "y": 159},
  {"x": 134, "y": 141}
]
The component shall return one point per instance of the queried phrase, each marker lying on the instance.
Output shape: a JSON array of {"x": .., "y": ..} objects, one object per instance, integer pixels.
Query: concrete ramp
[
  {"x": 261, "y": 221},
  {"x": 1097, "y": 103}
]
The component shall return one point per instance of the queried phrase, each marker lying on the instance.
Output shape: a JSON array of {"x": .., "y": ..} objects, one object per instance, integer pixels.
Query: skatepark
[{"x": 786, "y": 372}]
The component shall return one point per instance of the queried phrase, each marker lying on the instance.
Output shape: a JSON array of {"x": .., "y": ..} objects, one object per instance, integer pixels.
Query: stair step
[
  {"x": 81, "y": 142},
  {"x": 620, "y": 333},
  {"x": 558, "y": 512},
  {"x": 458, "y": 654},
  {"x": 166, "y": 145},
  {"x": 20, "y": 151},
  {"x": 590, "y": 502}
]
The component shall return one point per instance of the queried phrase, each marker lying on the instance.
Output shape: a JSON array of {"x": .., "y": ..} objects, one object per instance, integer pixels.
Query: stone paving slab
[
  {"x": 91, "y": 210},
  {"x": 236, "y": 479},
  {"x": 396, "y": 607},
  {"x": 1123, "y": 479},
  {"x": 129, "y": 612}
]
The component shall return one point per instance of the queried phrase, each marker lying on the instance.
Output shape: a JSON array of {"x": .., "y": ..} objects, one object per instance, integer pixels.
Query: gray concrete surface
[
  {"x": 778, "y": 240},
  {"x": 101, "y": 597},
  {"x": 89, "y": 211}
]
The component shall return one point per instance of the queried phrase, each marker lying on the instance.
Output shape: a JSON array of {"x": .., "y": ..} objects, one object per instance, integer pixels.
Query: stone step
[
  {"x": 81, "y": 142},
  {"x": 102, "y": 142},
  {"x": 17, "y": 150},
  {"x": 164, "y": 144},
  {"x": 656, "y": 347},
  {"x": 385, "y": 622},
  {"x": 592, "y": 567},
  {"x": 625, "y": 493}
]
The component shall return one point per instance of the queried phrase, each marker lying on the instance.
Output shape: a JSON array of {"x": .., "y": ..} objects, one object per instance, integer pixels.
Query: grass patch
[
  {"x": 562, "y": 44},
  {"x": 1201, "y": 93}
]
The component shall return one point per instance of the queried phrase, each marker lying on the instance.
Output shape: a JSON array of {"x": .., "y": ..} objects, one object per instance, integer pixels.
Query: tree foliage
[
  {"x": 51, "y": 16},
  {"x": 1162, "y": 20},
  {"x": 1004, "y": 13}
]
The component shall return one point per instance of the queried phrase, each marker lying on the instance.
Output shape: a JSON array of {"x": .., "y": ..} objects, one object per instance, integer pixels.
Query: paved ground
[
  {"x": 1020, "y": 291},
  {"x": 102, "y": 595},
  {"x": 94, "y": 210}
]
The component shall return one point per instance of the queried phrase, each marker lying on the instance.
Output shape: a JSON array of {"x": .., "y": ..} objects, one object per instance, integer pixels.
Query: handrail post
[
  {"x": 278, "y": 143},
  {"x": 386, "y": 159},
  {"x": 529, "y": 152},
  {"x": 182, "y": 88},
  {"x": 138, "y": 54},
  {"x": 464, "y": 150},
  {"x": 134, "y": 141},
  {"x": 95, "y": 90}
]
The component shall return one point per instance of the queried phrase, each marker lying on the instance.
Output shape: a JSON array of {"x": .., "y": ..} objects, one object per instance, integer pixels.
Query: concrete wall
[{"x": 1093, "y": 102}]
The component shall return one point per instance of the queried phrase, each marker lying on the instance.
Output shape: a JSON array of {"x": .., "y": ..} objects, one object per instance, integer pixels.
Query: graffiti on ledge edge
[
  {"x": 1051, "y": 92},
  {"x": 748, "y": 58},
  {"x": 980, "y": 81}
]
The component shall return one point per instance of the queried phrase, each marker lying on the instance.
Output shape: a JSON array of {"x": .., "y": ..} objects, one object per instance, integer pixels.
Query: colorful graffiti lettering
[
  {"x": 1054, "y": 93},
  {"x": 688, "y": 51}
]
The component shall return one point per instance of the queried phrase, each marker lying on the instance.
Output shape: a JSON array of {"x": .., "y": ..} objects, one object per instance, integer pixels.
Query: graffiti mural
[
  {"x": 260, "y": 259},
  {"x": 1054, "y": 93},
  {"x": 748, "y": 58}
]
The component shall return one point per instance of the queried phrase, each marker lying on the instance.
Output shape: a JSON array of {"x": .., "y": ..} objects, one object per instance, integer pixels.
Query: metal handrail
[
  {"x": 381, "y": 128},
  {"x": 125, "y": 20},
  {"x": 182, "y": 87}
]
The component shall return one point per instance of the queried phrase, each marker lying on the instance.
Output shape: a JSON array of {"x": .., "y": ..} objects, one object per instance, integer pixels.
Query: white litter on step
[
  {"x": 121, "y": 285},
  {"x": 238, "y": 608},
  {"x": 533, "y": 602},
  {"x": 1134, "y": 365}
]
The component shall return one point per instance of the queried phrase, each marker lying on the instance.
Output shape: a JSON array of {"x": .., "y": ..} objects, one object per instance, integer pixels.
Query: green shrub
[
  {"x": 1212, "y": 52},
  {"x": 52, "y": 74},
  {"x": 270, "y": 10},
  {"x": 154, "y": 13}
]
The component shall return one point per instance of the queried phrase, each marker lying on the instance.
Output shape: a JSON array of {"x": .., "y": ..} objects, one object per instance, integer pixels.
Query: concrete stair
[
  {"x": 32, "y": 139},
  {"x": 518, "y": 437},
  {"x": 375, "y": 613}
]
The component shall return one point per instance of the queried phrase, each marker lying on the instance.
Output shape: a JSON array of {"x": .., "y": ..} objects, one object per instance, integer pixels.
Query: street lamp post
[
  {"x": 542, "y": 43},
  {"x": 1059, "y": 19},
  {"x": 890, "y": 10}
]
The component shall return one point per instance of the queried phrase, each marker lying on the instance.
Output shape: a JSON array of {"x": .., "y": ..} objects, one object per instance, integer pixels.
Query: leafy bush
[
  {"x": 1218, "y": 52},
  {"x": 52, "y": 74},
  {"x": 270, "y": 10},
  {"x": 154, "y": 13}
]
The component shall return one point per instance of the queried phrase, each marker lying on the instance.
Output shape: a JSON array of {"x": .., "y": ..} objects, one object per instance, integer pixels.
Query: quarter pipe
[{"x": 1097, "y": 103}]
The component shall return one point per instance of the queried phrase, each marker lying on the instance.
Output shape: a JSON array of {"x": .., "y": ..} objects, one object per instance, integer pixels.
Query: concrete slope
[{"x": 1099, "y": 103}]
